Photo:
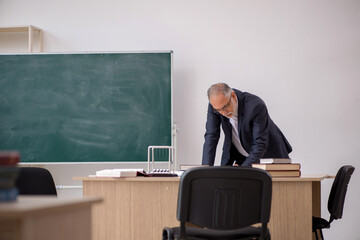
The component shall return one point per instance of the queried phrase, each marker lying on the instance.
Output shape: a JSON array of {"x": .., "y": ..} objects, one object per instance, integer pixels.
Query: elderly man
[{"x": 250, "y": 134}]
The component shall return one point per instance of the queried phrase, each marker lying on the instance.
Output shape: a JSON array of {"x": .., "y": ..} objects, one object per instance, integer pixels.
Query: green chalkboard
[{"x": 93, "y": 107}]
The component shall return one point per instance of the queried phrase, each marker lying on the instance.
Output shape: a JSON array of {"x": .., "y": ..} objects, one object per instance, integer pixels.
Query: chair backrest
[
  {"x": 35, "y": 181},
  {"x": 224, "y": 198},
  {"x": 338, "y": 192}
]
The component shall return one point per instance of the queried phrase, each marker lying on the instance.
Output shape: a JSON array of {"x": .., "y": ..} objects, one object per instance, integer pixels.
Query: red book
[{"x": 9, "y": 158}]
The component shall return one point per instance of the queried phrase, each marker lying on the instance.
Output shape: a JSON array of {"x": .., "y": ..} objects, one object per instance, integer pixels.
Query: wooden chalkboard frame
[{"x": 170, "y": 134}]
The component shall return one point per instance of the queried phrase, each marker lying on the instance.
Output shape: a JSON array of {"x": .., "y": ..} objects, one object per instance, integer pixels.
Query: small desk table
[
  {"x": 45, "y": 217},
  {"x": 140, "y": 207}
]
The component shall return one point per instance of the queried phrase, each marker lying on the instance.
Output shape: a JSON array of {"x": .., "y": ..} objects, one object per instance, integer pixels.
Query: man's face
[{"x": 222, "y": 104}]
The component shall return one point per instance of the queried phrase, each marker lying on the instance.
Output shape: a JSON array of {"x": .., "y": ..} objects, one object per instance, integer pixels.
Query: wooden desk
[
  {"x": 139, "y": 208},
  {"x": 43, "y": 218}
]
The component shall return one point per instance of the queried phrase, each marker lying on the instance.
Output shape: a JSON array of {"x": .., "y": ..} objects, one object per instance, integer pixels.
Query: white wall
[{"x": 301, "y": 56}]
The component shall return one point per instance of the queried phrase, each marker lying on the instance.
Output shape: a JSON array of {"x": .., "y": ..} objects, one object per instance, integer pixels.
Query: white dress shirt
[{"x": 235, "y": 131}]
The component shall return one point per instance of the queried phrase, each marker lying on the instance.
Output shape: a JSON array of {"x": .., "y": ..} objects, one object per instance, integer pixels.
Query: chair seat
[
  {"x": 320, "y": 223},
  {"x": 210, "y": 234}
]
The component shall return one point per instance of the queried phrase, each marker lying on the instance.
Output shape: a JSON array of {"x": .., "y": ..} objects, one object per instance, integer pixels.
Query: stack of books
[
  {"x": 9, "y": 172},
  {"x": 279, "y": 167}
]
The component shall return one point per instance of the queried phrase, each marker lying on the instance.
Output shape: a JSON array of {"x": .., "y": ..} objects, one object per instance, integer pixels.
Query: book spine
[
  {"x": 9, "y": 172},
  {"x": 7, "y": 182},
  {"x": 8, "y": 158},
  {"x": 8, "y": 194},
  {"x": 280, "y": 173}
]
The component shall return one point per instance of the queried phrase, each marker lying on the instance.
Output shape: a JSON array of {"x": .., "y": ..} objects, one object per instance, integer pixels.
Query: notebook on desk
[
  {"x": 119, "y": 172},
  {"x": 134, "y": 173}
]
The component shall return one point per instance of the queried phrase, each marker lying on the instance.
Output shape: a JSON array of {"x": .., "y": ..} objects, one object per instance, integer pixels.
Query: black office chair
[
  {"x": 336, "y": 199},
  {"x": 224, "y": 202},
  {"x": 35, "y": 181}
]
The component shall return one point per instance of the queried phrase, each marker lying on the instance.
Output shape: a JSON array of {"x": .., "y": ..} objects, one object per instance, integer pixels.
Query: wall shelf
[{"x": 27, "y": 29}]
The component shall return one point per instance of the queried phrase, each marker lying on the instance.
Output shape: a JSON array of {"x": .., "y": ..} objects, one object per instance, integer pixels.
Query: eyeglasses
[{"x": 224, "y": 108}]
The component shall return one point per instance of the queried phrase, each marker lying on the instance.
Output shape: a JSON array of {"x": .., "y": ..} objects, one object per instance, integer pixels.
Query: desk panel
[
  {"x": 133, "y": 209},
  {"x": 291, "y": 210}
]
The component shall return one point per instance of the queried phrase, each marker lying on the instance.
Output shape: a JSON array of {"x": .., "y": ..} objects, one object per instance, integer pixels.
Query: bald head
[{"x": 219, "y": 88}]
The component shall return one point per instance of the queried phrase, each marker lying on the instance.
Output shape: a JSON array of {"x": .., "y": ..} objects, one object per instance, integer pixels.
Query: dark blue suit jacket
[{"x": 259, "y": 135}]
